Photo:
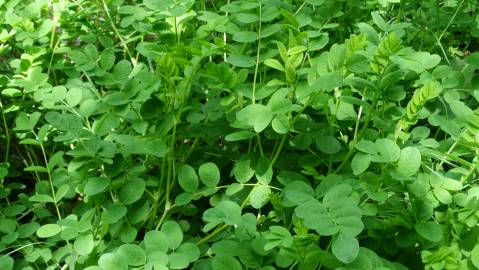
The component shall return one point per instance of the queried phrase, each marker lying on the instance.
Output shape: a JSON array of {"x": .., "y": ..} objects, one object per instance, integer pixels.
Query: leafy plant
[{"x": 239, "y": 134}]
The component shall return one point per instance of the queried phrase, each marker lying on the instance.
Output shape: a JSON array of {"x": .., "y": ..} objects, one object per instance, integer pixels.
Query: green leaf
[
  {"x": 264, "y": 170},
  {"x": 415, "y": 61},
  {"x": 25, "y": 122},
  {"x": 239, "y": 136},
  {"x": 243, "y": 61},
  {"x": 338, "y": 213},
  {"x": 112, "y": 261},
  {"x": 245, "y": 36},
  {"x": 388, "y": 150},
  {"x": 96, "y": 185},
  {"x": 409, "y": 161},
  {"x": 273, "y": 63},
  {"x": 247, "y": 18},
  {"x": 259, "y": 196},
  {"x": 158, "y": 5},
  {"x": 6, "y": 262},
  {"x": 280, "y": 124},
  {"x": 116, "y": 212},
  {"x": 107, "y": 59},
  {"x": 327, "y": 82},
  {"x": 132, "y": 191},
  {"x": 227, "y": 212},
  {"x": 156, "y": 241},
  {"x": 328, "y": 144},
  {"x": 84, "y": 244},
  {"x": 360, "y": 163},
  {"x": 48, "y": 230},
  {"x": 298, "y": 192},
  {"x": 429, "y": 230},
  {"x": 122, "y": 70},
  {"x": 133, "y": 254},
  {"x": 190, "y": 250},
  {"x": 257, "y": 116},
  {"x": 379, "y": 21},
  {"x": 187, "y": 178},
  {"x": 41, "y": 198},
  {"x": 174, "y": 233},
  {"x": 474, "y": 256},
  {"x": 178, "y": 261},
  {"x": 209, "y": 174},
  {"x": 345, "y": 247},
  {"x": 242, "y": 171},
  {"x": 367, "y": 147},
  {"x": 152, "y": 108},
  {"x": 222, "y": 262},
  {"x": 74, "y": 97}
]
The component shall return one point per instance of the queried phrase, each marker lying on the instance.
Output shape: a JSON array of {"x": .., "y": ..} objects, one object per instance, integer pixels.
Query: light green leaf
[
  {"x": 475, "y": 256},
  {"x": 156, "y": 241},
  {"x": 134, "y": 255},
  {"x": 243, "y": 61},
  {"x": 257, "y": 116},
  {"x": 259, "y": 196},
  {"x": 239, "y": 136},
  {"x": 227, "y": 212},
  {"x": 367, "y": 147},
  {"x": 6, "y": 262},
  {"x": 74, "y": 97},
  {"x": 48, "y": 230},
  {"x": 242, "y": 171},
  {"x": 178, "y": 261},
  {"x": 96, "y": 185},
  {"x": 41, "y": 198},
  {"x": 388, "y": 150},
  {"x": 273, "y": 63},
  {"x": 345, "y": 247},
  {"x": 280, "y": 124},
  {"x": 187, "y": 178},
  {"x": 209, "y": 174},
  {"x": 132, "y": 191},
  {"x": 84, "y": 244},
  {"x": 112, "y": 261},
  {"x": 429, "y": 230},
  {"x": 107, "y": 59},
  {"x": 222, "y": 262},
  {"x": 245, "y": 36},
  {"x": 174, "y": 233},
  {"x": 360, "y": 163},
  {"x": 409, "y": 161},
  {"x": 328, "y": 144},
  {"x": 190, "y": 250}
]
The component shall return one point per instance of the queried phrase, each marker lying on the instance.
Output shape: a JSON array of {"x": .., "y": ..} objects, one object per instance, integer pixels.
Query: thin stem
[
  {"x": 113, "y": 26},
  {"x": 257, "y": 56},
  {"x": 215, "y": 232},
  {"x": 7, "y": 133},
  {"x": 451, "y": 20},
  {"x": 469, "y": 173},
  {"x": 50, "y": 180}
]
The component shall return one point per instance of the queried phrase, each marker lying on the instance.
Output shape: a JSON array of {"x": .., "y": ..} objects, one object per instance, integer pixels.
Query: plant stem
[
  {"x": 115, "y": 30},
  {"x": 7, "y": 133},
  {"x": 257, "y": 57}
]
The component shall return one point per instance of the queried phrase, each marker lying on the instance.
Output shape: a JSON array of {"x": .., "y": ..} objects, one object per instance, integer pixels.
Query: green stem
[
  {"x": 215, "y": 232},
  {"x": 257, "y": 56},
  {"x": 469, "y": 173},
  {"x": 50, "y": 180},
  {"x": 113, "y": 26},
  {"x": 361, "y": 133},
  {"x": 7, "y": 133}
]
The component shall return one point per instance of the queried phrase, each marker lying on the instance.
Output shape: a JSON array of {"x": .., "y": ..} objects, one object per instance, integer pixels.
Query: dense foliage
[{"x": 229, "y": 135}]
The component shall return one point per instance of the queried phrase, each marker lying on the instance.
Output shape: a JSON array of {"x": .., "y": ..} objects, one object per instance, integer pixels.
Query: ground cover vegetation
[{"x": 229, "y": 135}]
